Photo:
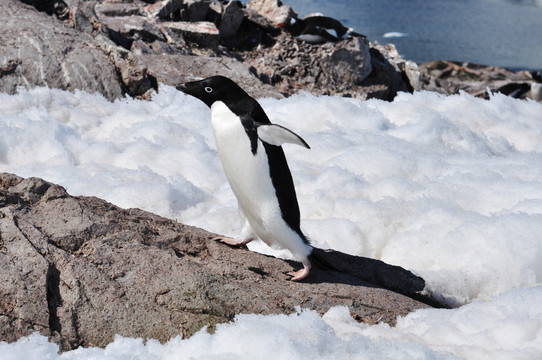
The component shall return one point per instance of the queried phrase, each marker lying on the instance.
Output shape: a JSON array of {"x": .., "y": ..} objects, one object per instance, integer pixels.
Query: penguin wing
[{"x": 277, "y": 135}]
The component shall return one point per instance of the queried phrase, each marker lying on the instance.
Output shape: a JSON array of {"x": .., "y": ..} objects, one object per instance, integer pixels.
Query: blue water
[{"x": 505, "y": 33}]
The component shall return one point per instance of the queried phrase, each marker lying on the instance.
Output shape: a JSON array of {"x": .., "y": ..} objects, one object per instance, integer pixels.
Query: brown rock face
[{"x": 81, "y": 270}]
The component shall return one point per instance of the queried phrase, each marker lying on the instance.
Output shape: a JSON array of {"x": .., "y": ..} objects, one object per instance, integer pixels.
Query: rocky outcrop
[
  {"x": 39, "y": 50},
  {"x": 106, "y": 46},
  {"x": 103, "y": 46},
  {"x": 353, "y": 68},
  {"x": 450, "y": 77},
  {"x": 80, "y": 270}
]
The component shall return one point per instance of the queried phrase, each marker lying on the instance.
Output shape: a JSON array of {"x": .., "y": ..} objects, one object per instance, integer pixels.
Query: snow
[
  {"x": 447, "y": 186},
  {"x": 394, "y": 34}
]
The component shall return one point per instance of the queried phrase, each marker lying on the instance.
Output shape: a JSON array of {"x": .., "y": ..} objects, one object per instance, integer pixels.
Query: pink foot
[
  {"x": 232, "y": 241},
  {"x": 300, "y": 274}
]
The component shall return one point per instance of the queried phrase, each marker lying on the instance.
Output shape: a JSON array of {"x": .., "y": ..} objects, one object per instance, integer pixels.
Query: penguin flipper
[{"x": 277, "y": 135}]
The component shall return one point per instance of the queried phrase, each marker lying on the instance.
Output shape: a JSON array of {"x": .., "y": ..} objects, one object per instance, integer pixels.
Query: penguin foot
[
  {"x": 300, "y": 274},
  {"x": 233, "y": 241}
]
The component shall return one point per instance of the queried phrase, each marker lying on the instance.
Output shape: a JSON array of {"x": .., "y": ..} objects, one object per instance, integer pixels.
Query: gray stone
[
  {"x": 80, "y": 270},
  {"x": 40, "y": 50},
  {"x": 116, "y": 9},
  {"x": 347, "y": 62},
  {"x": 413, "y": 74},
  {"x": 273, "y": 10},
  {"x": 174, "y": 69},
  {"x": 165, "y": 9},
  {"x": 203, "y": 33},
  {"x": 134, "y": 27}
]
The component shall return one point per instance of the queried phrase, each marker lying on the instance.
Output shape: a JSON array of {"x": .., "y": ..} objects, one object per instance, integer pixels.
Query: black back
[{"x": 251, "y": 114}]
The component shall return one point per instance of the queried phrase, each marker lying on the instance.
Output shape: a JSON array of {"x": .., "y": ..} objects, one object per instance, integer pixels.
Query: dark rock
[
  {"x": 386, "y": 75},
  {"x": 50, "y": 7},
  {"x": 231, "y": 19},
  {"x": 80, "y": 270},
  {"x": 195, "y": 10}
]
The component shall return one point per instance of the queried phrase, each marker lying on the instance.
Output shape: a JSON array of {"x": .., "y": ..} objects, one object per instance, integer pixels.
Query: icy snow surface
[{"x": 447, "y": 186}]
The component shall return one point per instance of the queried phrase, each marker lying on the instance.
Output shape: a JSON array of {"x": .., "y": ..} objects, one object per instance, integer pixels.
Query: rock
[
  {"x": 348, "y": 62},
  {"x": 80, "y": 270},
  {"x": 273, "y": 10},
  {"x": 350, "y": 67},
  {"x": 133, "y": 27},
  {"x": 174, "y": 69},
  {"x": 81, "y": 14},
  {"x": 232, "y": 17},
  {"x": 412, "y": 72},
  {"x": 449, "y": 77},
  {"x": 388, "y": 70},
  {"x": 116, "y": 9},
  {"x": 201, "y": 33},
  {"x": 195, "y": 10},
  {"x": 165, "y": 9},
  {"x": 253, "y": 16},
  {"x": 40, "y": 50}
]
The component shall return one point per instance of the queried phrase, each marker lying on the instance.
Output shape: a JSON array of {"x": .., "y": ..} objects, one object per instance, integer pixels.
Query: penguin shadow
[{"x": 335, "y": 267}]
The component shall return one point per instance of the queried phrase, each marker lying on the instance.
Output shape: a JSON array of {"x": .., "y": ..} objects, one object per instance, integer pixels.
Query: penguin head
[{"x": 212, "y": 89}]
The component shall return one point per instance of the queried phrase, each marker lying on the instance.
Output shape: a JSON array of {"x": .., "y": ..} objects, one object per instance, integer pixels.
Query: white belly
[{"x": 249, "y": 178}]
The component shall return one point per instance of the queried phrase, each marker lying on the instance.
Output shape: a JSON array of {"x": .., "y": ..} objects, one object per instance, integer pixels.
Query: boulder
[
  {"x": 40, "y": 50},
  {"x": 273, "y": 10},
  {"x": 80, "y": 270},
  {"x": 200, "y": 34},
  {"x": 195, "y": 10},
  {"x": 347, "y": 62},
  {"x": 231, "y": 19}
]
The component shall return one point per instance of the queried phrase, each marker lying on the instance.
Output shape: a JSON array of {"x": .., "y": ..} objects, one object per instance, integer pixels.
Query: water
[{"x": 505, "y": 33}]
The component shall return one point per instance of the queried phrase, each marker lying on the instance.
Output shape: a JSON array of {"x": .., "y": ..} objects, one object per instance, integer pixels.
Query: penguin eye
[{"x": 208, "y": 89}]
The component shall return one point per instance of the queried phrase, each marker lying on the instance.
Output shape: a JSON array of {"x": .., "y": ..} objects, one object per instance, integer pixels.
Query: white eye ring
[{"x": 208, "y": 89}]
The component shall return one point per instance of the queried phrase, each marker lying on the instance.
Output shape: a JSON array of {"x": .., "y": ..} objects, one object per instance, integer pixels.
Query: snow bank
[{"x": 447, "y": 186}]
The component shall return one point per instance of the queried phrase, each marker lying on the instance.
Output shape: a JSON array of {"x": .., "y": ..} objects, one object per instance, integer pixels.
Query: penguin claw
[
  {"x": 232, "y": 241},
  {"x": 299, "y": 274}
]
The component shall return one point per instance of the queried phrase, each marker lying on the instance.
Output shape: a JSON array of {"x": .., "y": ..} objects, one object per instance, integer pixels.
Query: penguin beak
[{"x": 180, "y": 87}]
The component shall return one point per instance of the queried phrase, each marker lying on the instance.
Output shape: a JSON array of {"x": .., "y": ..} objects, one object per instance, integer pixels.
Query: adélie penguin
[
  {"x": 318, "y": 29},
  {"x": 249, "y": 146}
]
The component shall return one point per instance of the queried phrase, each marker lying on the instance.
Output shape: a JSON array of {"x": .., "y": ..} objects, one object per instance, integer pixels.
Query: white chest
[{"x": 247, "y": 173}]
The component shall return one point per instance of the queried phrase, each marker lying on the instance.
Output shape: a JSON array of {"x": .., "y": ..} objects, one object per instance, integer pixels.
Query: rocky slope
[{"x": 81, "y": 270}]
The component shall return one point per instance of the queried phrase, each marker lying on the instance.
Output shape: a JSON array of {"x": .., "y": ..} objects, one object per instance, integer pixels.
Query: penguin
[
  {"x": 250, "y": 150},
  {"x": 316, "y": 29}
]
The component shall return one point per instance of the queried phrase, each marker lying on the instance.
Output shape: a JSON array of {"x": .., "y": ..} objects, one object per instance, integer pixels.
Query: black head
[{"x": 214, "y": 88}]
